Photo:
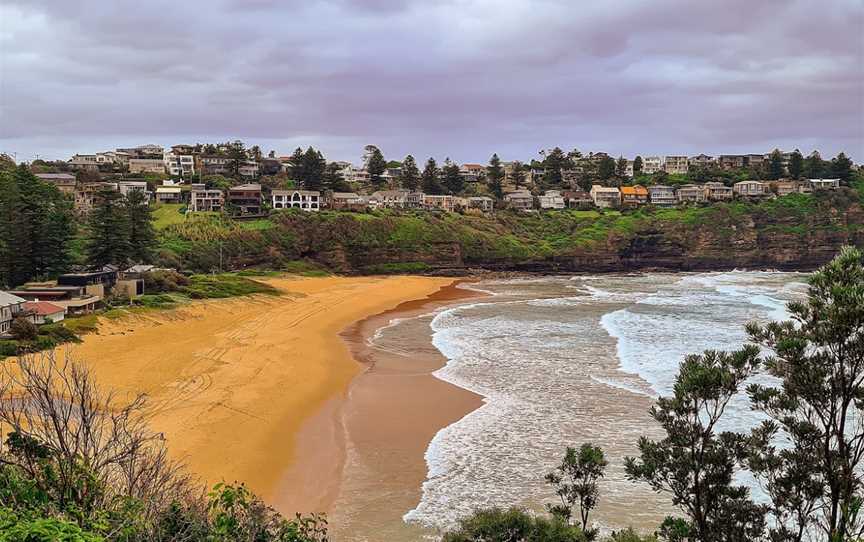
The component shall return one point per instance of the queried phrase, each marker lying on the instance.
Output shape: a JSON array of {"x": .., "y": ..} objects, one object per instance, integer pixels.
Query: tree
[
  {"x": 814, "y": 166},
  {"x": 775, "y": 165},
  {"x": 796, "y": 164},
  {"x": 410, "y": 174},
  {"x": 451, "y": 177},
  {"x": 495, "y": 176},
  {"x": 22, "y": 329},
  {"x": 819, "y": 357},
  {"x": 236, "y": 156},
  {"x": 375, "y": 164},
  {"x": 333, "y": 179},
  {"x": 511, "y": 525},
  {"x": 313, "y": 168},
  {"x": 841, "y": 168},
  {"x": 637, "y": 166},
  {"x": 429, "y": 178},
  {"x": 255, "y": 153},
  {"x": 109, "y": 231},
  {"x": 554, "y": 163},
  {"x": 142, "y": 236},
  {"x": 606, "y": 169},
  {"x": 517, "y": 174},
  {"x": 575, "y": 482},
  {"x": 694, "y": 463},
  {"x": 621, "y": 168}
]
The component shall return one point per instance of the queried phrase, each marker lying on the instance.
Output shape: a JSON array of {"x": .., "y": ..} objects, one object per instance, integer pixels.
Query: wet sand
[
  {"x": 392, "y": 412},
  {"x": 232, "y": 383}
]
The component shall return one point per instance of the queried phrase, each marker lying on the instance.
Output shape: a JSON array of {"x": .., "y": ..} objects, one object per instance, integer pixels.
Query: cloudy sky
[{"x": 457, "y": 78}]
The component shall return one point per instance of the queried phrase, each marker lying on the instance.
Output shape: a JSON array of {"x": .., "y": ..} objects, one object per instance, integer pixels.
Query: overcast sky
[{"x": 458, "y": 78}]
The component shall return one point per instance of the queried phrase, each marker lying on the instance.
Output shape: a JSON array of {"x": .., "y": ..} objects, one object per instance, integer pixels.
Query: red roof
[{"x": 42, "y": 308}]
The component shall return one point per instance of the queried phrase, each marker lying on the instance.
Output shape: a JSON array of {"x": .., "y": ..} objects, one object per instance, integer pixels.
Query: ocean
[{"x": 561, "y": 361}]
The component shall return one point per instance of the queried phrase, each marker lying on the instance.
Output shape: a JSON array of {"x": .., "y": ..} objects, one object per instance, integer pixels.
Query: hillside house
[
  {"x": 784, "y": 188},
  {"x": 146, "y": 165},
  {"x": 825, "y": 184},
  {"x": 701, "y": 161},
  {"x": 43, "y": 312},
  {"x": 732, "y": 161},
  {"x": 521, "y": 200},
  {"x": 177, "y": 164},
  {"x": 127, "y": 187},
  {"x": 676, "y": 164},
  {"x": 691, "y": 193},
  {"x": 169, "y": 194},
  {"x": 203, "y": 200},
  {"x": 64, "y": 182},
  {"x": 715, "y": 191},
  {"x": 633, "y": 196},
  {"x": 245, "y": 199},
  {"x": 73, "y": 299},
  {"x": 578, "y": 199},
  {"x": 552, "y": 199},
  {"x": 11, "y": 306},
  {"x": 439, "y": 203},
  {"x": 750, "y": 189},
  {"x": 347, "y": 201},
  {"x": 662, "y": 196},
  {"x": 605, "y": 197},
  {"x": 391, "y": 199},
  {"x": 249, "y": 169},
  {"x": 214, "y": 164},
  {"x": 87, "y": 195},
  {"x": 307, "y": 200},
  {"x": 483, "y": 203},
  {"x": 652, "y": 164}
]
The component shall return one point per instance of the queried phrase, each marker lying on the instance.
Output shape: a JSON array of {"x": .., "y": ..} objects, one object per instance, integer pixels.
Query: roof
[
  {"x": 250, "y": 187},
  {"x": 43, "y": 308},
  {"x": 168, "y": 189},
  {"x": 7, "y": 299},
  {"x": 637, "y": 190},
  {"x": 56, "y": 176},
  {"x": 345, "y": 195}
]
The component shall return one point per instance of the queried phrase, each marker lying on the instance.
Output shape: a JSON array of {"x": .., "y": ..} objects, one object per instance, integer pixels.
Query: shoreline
[{"x": 231, "y": 382}]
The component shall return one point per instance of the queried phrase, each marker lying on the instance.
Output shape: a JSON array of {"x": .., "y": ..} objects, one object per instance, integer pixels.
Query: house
[
  {"x": 11, "y": 306},
  {"x": 701, "y": 161},
  {"x": 353, "y": 174},
  {"x": 95, "y": 282},
  {"x": 245, "y": 199},
  {"x": 214, "y": 164},
  {"x": 521, "y": 200},
  {"x": 784, "y": 188},
  {"x": 825, "y": 184},
  {"x": 44, "y": 312},
  {"x": 87, "y": 195},
  {"x": 203, "y": 200},
  {"x": 662, "y": 196},
  {"x": 439, "y": 203},
  {"x": 632, "y": 196},
  {"x": 169, "y": 194},
  {"x": 249, "y": 170},
  {"x": 177, "y": 164},
  {"x": 347, "y": 201},
  {"x": 628, "y": 172},
  {"x": 307, "y": 200},
  {"x": 84, "y": 162},
  {"x": 691, "y": 193},
  {"x": 652, "y": 164},
  {"x": 535, "y": 176},
  {"x": 715, "y": 191},
  {"x": 64, "y": 182},
  {"x": 605, "y": 197},
  {"x": 750, "y": 189},
  {"x": 146, "y": 165},
  {"x": 391, "y": 199},
  {"x": 414, "y": 200},
  {"x": 126, "y": 187},
  {"x": 483, "y": 203},
  {"x": 732, "y": 161},
  {"x": 472, "y": 173},
  {"x": 552, "y": 199},
  {"x": 73, "y": 299},
  {"x": 675, "y": 165},
  {"x": 578, "y": 199}
]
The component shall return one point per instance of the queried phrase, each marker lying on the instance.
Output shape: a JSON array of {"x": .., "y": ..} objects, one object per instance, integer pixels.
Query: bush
[
  {"x": 22, "y": 329},
  {"x": 164, "y": 281},
  {"x": 512, "y": 525},
  {"x": 220, "y": 286}
]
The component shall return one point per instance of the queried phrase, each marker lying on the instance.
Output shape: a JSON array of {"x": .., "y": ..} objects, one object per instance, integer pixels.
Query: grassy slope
[{"x": 166, "y": 214}]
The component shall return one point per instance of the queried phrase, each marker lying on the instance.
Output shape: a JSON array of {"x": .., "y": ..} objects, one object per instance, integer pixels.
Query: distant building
[
  {"x": 690, "y": 193},
  {"x": 551, "y": 199},
  {"x": 73, "y": 299},
  {"x": 825, "y": 184},
  {"x": 521, "y": 200},
  {"x": 203, "y": 200},
  {"x": 250, "y": 170},
  {"x": 472, "y": 173},
  {"x": 214, "y": 164},
  {"x": 676, "y": 165},
  {"x": 146, "y": 165},
  {"x": 86, "y": 195},
  {"x": 307, "y": 200},
  {"x": 784, "y": 188},
  {"x": 662, "y": 196},
  {"x": 84, "y": 162},
  {"x": 485, "y": 204},
  {"x": 179, "y": 165},
  {"x": 715, "y": 191},
  {"x": 701, "y": 160},
  {"x": 11, "y": 306},
  {"x": 64, "y": 182},
  {"x": 633, "y": 196},
  {"x": 347, "y": 201},
  {"x": 605, "y": 197},
  {"x": 652, "y": 164},
  {"x": 732, "y": 161},
  {"x": 43, "y": 312},
  {"x": 578, "y": 199},
  {"x": 245, "y": 199},
  {"x": 169, "y": 194},
  {"x": 391, "y": 199},
  {"x": 750, "y": 189},
  {"x": 126, "y": 187},
  {"x": 442, "y": 203}
]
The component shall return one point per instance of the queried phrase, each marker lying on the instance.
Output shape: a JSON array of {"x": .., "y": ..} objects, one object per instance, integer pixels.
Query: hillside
[{"x": 793, "y": 232}]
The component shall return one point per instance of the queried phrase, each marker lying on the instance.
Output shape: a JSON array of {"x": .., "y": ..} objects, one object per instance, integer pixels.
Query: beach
[{"x": 243, "y": 389}]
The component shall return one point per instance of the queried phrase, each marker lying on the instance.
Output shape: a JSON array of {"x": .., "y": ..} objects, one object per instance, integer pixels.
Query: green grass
[
  {"x": 224, "y": 285},
  {"x": 166, "y": 214},
  {"x": 257, "y": 225},
  {"x": 402, "y": 268},
  {"x": 83, "y": 324}
]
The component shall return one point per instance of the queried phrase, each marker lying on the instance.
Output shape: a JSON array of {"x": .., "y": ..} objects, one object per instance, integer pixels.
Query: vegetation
[
  {"x": 78, "y": 464},
  {"x": 121, "y": 229}
]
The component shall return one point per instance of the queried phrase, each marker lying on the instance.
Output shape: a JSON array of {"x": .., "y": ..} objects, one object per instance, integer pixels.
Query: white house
[
  {"x": 43, "y": 312},
  {"x": 750, "y": 188},
  {"x": 180, "y": 165},
  {"x": 168, "y": 194},
  {"x": 206, "y": 200},
  {"x": 652, "y": 164},
  {"x": 825, "y": 184},
  {"x": 552, "y": 199},
  {"x": 308, "y": 200},
  {"x": 11, "y": 306},
  {"x": 605, "y": 197},
  {"x": 662, "y": 195}
]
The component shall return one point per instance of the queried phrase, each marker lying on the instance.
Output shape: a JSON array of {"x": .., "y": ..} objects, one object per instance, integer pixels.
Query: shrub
[
  {"x": 512, "y": 525},
  {"x": 22, "y": 329}
]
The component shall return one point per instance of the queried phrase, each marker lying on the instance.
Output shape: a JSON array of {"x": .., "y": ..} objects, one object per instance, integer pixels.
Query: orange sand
[{"x": 231, "y": 381}]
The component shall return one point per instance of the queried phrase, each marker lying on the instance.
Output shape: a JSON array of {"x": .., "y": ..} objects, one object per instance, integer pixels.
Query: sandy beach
[{"x": 251, "y": 389}]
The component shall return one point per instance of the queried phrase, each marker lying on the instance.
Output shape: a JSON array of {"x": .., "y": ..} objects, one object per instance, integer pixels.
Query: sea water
[{"x": 561, "y": 361}]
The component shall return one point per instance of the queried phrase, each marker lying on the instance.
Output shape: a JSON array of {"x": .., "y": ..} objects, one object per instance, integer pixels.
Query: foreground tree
[
  {"x": 410, "y": 174},
  {"x": 575, "y": 482},
  {"x": 495, "y": 177},
  {"x": 819, "y": 355},
  {"x": 694, "y": 463}
]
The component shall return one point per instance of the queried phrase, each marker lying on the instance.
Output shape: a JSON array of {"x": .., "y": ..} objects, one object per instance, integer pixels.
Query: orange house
[{"x": 632, "y": 196}]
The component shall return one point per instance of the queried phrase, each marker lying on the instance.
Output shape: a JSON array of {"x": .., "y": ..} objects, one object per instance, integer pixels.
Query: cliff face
[{"x": 791, "y": 233}]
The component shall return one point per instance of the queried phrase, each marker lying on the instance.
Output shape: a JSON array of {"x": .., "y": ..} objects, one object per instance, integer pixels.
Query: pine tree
[
  {"x": 313, "y": 168},
  {"x": 841, "y": 168},
  {"x": 517, "y": 174},
  {"x": 109, "y": 231},
  {"x": 333, "y": 179},
  {"x": 775, "y": 165},
  {"x": 796, "y": 164},
  {"x": 142, "y": 237},
  {"x": 606, "y": 169},
  {"x": 814, "y": 167},
  {"x": 554, "y": 163},
  {"x": 410, "y": 174},
  {"x": 495, "y": 177},
  {"x": 637, "y": 166},
  {"x": 621, "y": 168},
  {"x": 453, "y": 181},
  {"x": 429, "y": 178},
  {"x": 375, "y": 165}
]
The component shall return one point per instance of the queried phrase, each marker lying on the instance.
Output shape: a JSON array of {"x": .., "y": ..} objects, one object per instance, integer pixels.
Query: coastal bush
[
  {"x": 512, "y": 525},
  {"x": 225, "y": 285}
]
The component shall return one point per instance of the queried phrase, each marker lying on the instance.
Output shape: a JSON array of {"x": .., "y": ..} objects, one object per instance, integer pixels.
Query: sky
[{"x": 450, "y": 78}]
